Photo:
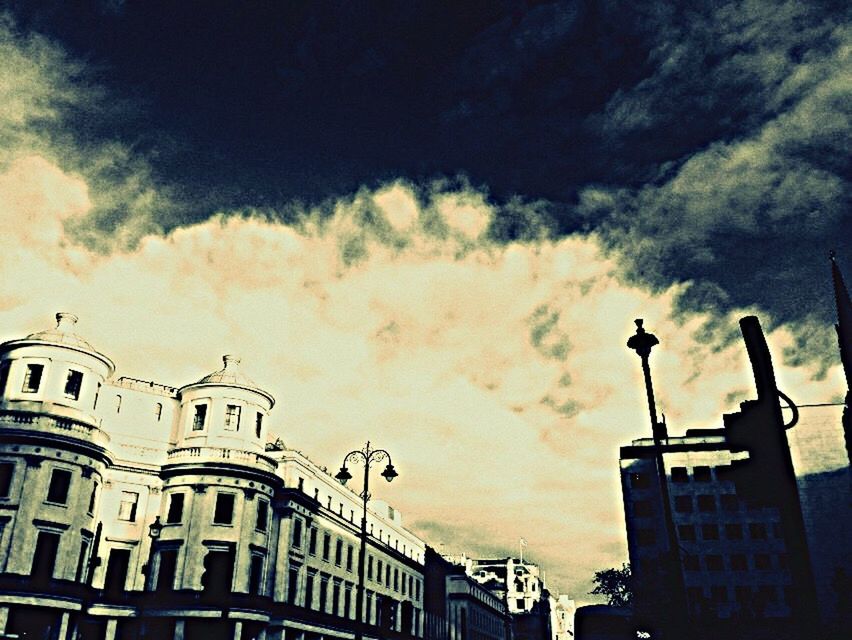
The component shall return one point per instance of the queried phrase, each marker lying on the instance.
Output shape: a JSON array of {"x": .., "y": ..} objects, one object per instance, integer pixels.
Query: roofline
[
  {"x": 256, "y": 390},
  {"x": 23, "y": 342}
]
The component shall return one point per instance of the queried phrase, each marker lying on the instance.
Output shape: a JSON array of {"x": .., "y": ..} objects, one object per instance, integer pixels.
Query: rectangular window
[
  {"x": 7, "y": 471},
  {"x": 702, "y": 474},
  {"x": 73, "y": 384},
  {"x": 4, "y": 375},
  {"x": 640, "y": 480},
  {"x": 388, "y": 575},
  {"x": 349, "y": 553},
  {"x": 646, "y": 537},
  {"x": 297, "y": 532},
  {"x": 335, "y": 598},
  {"x": 312, "y": 541},
  {"x": 757, "y": 531},
  {"x": 686, "y": 532},
  {"x": 767, "y": 593},
  {"x": 44, "y": 558},
  {"x": 224, "y": 513},
  {"x": 262, "y": 515},
  {"x": 734, "y": 531},
  {"x": 200, "y": 417},
  {"x": 642, "y": 508},
  {"x": 729, "y": 502},
  {"x": 175, "y": 513},
  {"x": 292, "y": 584},
  {"x": 338, "y": 552},
  {"x": 396, "y": 579},
  {"x": 82, "y": 561},
  {"x": 323, "y": 594},
  {"x": 32, "y": 378},
  {"x": 379, "y": 572},
  {"x": 714, "y": 562},
  {"x": 309, "y": 591},
  {"x": 719, "y": 594},
  {"x": 742, "y": 594},
  {"x": 762, "y": 561},
  {"x": 739, "y": 562},
  {"x": 369, "y": 567},
  {"x": 709, "y": 532},
  {"x": 116, "y": 571},
  {"x": 93, "y": 498},
  {"x": 690, "y": 563},
  {"x": 60, "y": 481},
  {"x": 347, "y": 601},
  {"x": 232, "y": 417},
  {"x": 256, "y": 575},
  {"x": 258, "y": 424},
  {"x": 706, "y": 503},
  {"x": 127, "y": 506},
  {"x": 166, "y": 570},
  {"x": 683, "y": 504},
  {"x": 326, "y": 546},
  {"x": 679, "y": 474}
]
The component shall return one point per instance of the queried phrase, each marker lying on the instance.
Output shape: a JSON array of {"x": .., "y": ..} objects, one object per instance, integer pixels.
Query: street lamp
[
  {"x": 154, "y": 531},
  {"x": 367, "y": 456}
]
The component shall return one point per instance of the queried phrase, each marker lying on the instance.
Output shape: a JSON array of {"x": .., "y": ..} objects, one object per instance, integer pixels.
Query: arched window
[
  {"x": 117, "y": 403},
  {"x": 158, "y": 411}
]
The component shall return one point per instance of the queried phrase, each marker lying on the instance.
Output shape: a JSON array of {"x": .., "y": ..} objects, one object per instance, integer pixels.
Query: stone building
[{"x": 131, "y": 509}]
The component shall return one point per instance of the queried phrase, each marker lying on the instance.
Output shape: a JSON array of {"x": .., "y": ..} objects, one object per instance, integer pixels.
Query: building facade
[
  {"x": 131, "y": 509},
  {"x": 743, "y": 530}
]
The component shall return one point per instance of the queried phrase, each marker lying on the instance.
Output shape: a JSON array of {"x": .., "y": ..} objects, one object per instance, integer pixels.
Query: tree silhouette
[{"x": 615, "y": 584}]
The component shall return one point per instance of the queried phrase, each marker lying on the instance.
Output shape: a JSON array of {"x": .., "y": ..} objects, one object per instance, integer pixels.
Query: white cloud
[{"x": 498, "y": 377}]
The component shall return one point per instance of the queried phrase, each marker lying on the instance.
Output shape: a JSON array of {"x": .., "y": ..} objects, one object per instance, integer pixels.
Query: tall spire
[{"x": 844, "y": 319}]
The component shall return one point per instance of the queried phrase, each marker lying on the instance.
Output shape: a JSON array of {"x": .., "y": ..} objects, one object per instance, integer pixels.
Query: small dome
[
  {"x": 230, "y": 375},
  {"x": 63, "y": 333}
]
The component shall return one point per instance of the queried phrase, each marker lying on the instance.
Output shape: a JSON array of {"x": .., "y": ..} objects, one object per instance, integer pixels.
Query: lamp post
[
  {"x": 154, "y": 531},
  {"x": 642, "y": 342},
  {"x": 367, "y": 456}
]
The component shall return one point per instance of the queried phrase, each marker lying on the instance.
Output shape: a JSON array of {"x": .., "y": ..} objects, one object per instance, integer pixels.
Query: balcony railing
[
  {"x": 67, "y": 427},
  {"x": 190, "y": 455}
]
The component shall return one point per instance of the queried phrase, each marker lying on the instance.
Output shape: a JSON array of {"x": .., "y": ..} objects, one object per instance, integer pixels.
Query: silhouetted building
[
  {"x": 759, "y": 511},
  {"x": 130, "y": 509}
]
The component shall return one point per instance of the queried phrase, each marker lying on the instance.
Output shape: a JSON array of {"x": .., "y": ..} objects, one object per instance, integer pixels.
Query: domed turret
[
  {"x": 54, "y": 372},
  {"x": 224, "y": 409}
]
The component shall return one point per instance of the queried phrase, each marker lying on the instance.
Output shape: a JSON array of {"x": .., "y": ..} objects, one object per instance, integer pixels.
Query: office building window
[
  {"x": 369, "y": 567},
  {"x": 729, "y": 502},
  {"x": 326, "y": 546},
  {"x": 683, "y": 504},
  {"x": 7, "y": 471},
  {"x": 312, "y": 541},
  {"x": 734, "y": 531},
  {"x": 292, "y": 584},
  {"x": 297, "y": 532},
  {"x": 680, "y": 474},
  {"x": 767, "y": 593},
  {"x": 349, "y": 553},
  {"x": 82, "y": 561},
  {"x": 396, "y": 579},
  {"x": 166, "y": 570},
  {"x": 757, "y": 531},
  {"x": 640, "y": 480},
  {"x": 706, "y": 503},
  {"x": 232, "y": 417},
  {"x": 44, "y": 556},
  {"x": 646, "y": 537},
  {"x": 347, "y": 601},
  {"x": 690, "y": 562},
  {"x": 258, "y": 424},
  {"x": 388, "y": 575},
  {"x": 73, "y": 384},
  {"x": 93, "y": 498},
  {"x": 742, "y": 594},
  {"x": 309, "y": 590},
  {"x": 379, "y": 568},
  {"x": 709, "y": 532},
  {"x": 338, "y": 552},
  {"x": 719, "y": 593},
  {"x": 323, "y": 594},
  {"x": 32, "y": 378},
  {"x": 60, "y": 481},
  {"x": 224, "y": 513},
  {"x": 642, "y": 508},
  {"x": 175, "y": 512},
  {"x": 686, "y": 532},
  {"x": 127, "y": 506},
  {"x": 702, "y": 474},
  {"x": 739, "y": 562},
  {"x": 262, "y": 515},
  {"x": 200, "y": 417},
  {"x": 335, "y": 598},
  {"x": 762, "y": 561},
  {"x": 713, "y": 562}
]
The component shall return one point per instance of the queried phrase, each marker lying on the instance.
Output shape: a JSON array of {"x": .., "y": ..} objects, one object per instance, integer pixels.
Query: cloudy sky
[{"x": 432, "y": 225}]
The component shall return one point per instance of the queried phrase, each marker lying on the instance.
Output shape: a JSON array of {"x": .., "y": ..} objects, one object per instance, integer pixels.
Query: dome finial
[
  {"x": 230, "y": 361},
  {"x": 65, "y": 321}
]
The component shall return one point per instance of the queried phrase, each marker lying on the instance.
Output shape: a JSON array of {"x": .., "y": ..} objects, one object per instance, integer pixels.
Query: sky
[{"x": 431, "y": 225}]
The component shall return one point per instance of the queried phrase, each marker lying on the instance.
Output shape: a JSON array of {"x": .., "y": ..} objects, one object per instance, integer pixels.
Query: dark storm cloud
[{"x": 706, "y": 142}]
